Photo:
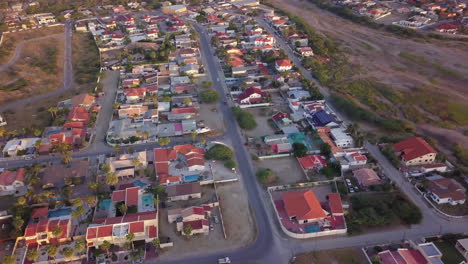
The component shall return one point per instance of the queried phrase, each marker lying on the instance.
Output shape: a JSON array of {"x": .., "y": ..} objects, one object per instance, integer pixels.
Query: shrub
[
  {"x": 265, "y": 175},
  {"x": 219, "y": 152},
  {"x": 209, "y": 96},
  {"x": 244, "y": 118},
  {"x": 230, "y": 164},
  {"x": 300, "y": 150}
]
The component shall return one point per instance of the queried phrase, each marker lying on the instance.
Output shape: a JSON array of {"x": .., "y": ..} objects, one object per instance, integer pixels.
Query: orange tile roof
[
  {"x": 83, "y": 100},
  {"x": 323, "y": 133},
  {"x": 336, "y": 207},
  {"x": 303, "y": 205},
  {"x": 283, "y": 63}
]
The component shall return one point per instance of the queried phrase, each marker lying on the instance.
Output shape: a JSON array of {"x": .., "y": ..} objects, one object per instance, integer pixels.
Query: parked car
[
  {"x": 211, "y": 227},
  {"x": 216, "y": 219}
]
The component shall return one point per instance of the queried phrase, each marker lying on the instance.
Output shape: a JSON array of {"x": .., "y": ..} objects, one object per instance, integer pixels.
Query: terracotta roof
[
  {"x": 447, "y": 188},
  {"x": 40, "y": 212},
  {"x": 184, "y": 110},
  {"x": 183, "y": 189},
  {"x": 283, "y": 63},
  {"x": 279, "y": 116},
  {"x": 336, "y": 206},
  {"x": 413, "y": 148},
  {"x": 250, "y": 91},
  {"x": 152, "y": 232},
  {"x": 312, "y": 161},
  {"x": 303, "y": 205},
  {"x": 137, "y": 227},
  {"x": 83, "y": 100},
  {"x": 135, "y": 92},
  {"x": 78, "y": 114},
  {"x": 367, "y": 177},
  {"x": 9, "y": 177},
  {"x": 197, "y": 224}
]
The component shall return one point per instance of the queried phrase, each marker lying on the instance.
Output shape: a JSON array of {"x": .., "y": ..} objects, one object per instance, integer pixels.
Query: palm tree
[
  {"x": 68, "y": 252},
  {"x": 77, "y": 202},
  {"x": 57, "y": 232},
  {"x": 194, "y": 135},
  {"x": 156, "y": 243},
  {"x": 136, "y": 162},
  {"x": 66, "y": 157},
  {"x": 32, "y": 254},
  {"x": 90, "y": 200},
  {"x": 21, "y": 201},
  {"x": 36, "y": 132},
  {"x": 105, "y": 168},
  {"x": 130, "y": 237},
  {"x": 80, "y": 245},
  {"x": 106, "y": 245},
  {"x": 52, "y": 251},
  {"x": 145, "y": 134},
  {"x": 93, "y": 186},
  {"x": 111, "y": 178},
  {"x": 117, "y": 149},
  {"x": 53, "y": 111},
  {"x": 187, "y": 230},
  {"x": 3, "y": 132},
  {"x": 123, "y": 208}
]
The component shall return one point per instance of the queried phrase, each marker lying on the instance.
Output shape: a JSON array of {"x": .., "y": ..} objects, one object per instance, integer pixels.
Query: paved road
[{"x": 67, "y": 75}]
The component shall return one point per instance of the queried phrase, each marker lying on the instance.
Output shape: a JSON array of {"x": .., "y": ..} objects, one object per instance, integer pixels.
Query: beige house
[
  {"x": 462, "y": 247},
  {"x": 124, "y": 165}
]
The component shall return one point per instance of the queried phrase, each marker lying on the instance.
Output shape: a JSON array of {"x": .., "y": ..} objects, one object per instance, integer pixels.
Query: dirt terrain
[
  {"x": 426, "y": 74},
  {"x": 30, "y": 67}
]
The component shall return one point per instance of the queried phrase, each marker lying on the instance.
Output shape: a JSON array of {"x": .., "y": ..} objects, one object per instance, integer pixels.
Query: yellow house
[{"x": 174, "y": 9}]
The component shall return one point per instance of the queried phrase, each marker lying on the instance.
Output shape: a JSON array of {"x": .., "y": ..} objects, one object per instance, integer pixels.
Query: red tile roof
[
  {"x": 336, "y": 206},
  {"x": 197, "y": 224},
  {"x": 250, "y": 91},
  {"x": 283, "y": 63},
  {"x": 279, "y": 116},
  {"x": 78, "y": 114},
  {"x": 137, "y": 227},
  {"x": 40, "y": 212},
  {"x": 135, "y": 92},
  {"x": 131, "y": 197},
  {"x": 184, "y": 110},
  {"x": 153, "y": 231},
  {"x": 83, "y": 100},
  {"x": 367, "y": 177},
  {"x": 303, "y": 205},
  {"x": 312, "y": 161},
  {"x": 104, "y": 231},
  {"x": 447, "y": 188},
  {"x": 9, "y": 177},
  {"x": 413, "y": 148}
]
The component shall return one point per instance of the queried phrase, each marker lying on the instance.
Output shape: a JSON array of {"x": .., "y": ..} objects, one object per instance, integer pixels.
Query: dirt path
[
  {"x": 17, "y": 54},
  {"x": 67, "y": 75}
]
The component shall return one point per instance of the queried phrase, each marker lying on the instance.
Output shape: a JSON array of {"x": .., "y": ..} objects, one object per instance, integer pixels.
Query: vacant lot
[
  {"x": 411, "y": 79},
  {"x": 11, "y": 40},
  {"x": 286, "y": 169},
  {"x": 264, "y": 127},
  {"x": 86, "y": 62},
  {"x": 237, "y": 221},
  {"x": 38, "y": 70},
  {"x": 337, "y": 256}
]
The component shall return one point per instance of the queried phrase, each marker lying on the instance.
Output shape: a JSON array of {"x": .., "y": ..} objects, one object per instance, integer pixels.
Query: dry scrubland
[
  {"x": 38, "y": 70},
  {"x": 420, "y": 81}
]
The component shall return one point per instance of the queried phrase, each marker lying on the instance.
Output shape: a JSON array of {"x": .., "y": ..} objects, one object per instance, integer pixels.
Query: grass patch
[
  {"x": 449, "y": 252},
  {"x": 47, "y": 64},
  {"x": 347, "y": 255},
  {"x": 86, "y": 62},
  {"x": 14, "y": 86},
  {"x": 413, "y": 57}
]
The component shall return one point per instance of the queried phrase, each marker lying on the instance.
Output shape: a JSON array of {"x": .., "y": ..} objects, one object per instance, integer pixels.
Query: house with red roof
[
  {"x": 10, "y": 181},
  {"x": 367, "y": 177},
  {"x": 83, "y": 100},
  {"x": 182, "y": 113},
  {"x": 143, "y": 225},
  {"x": 402, "y": 256},
  {"x": 445, "y": 190},
  {"x": 415, "y": 151},
  {"x": 305, "y": 51},
  {"x": 40, "y": 233},
  {"x": 312, "y": 162},
  {"x": 355, "y": 159},
  {"x": 128, "y": 83},
  {"x": 134, "y": 95},
  {"x": 198, "y": 227},
  {"x": 447, "y": 28},
  {"x": 74, "y": 136},
  {"x": 188, "y": 159},
  {"x": 283, "y": 65},
  {"x": 252, "y": 95},
  {"x": 188, "y": 214},
  {"x": 335, "y": 204},
  {"x": 78, "y": 114},
  {"x": 303, "y": 206},
  {"x": 132, "y": 197}
]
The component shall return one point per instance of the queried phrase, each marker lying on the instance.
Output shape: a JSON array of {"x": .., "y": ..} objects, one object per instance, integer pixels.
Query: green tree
[
  {"x": 164, "y": 141},
  {"x": 21, "y": 201},
  {"x": 77, "y": 202},
  {"x": 32, "y": 254},
  {"x": 300, "y": 150},
  {"x": 68, "y": 252},
  {"x": 265, "y": 175},
  {"x": 80, "y": 245},
  {"x": 57, "y": 231},
  {"x": 105, "y": 246},
  {"x": 219, "y": 152},
  {"x": 230, "y": 164},
  {"x": 187, "y": 230},
  {"x": 244, "y": 118},
  {"x": 52, "y": 251},
  {"x": 66, "y": 157},
  {"x": 130, "y": 237},
  {"x": 156, "y": 243},
  {"x": 209, "y": 96},
  {"x": 325, "y": 149},
  {"x": 111, "y": 178},
  {"x": 123, "y": 208}
]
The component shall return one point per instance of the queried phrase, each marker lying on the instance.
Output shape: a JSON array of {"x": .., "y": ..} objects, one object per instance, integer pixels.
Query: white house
[
  {"x": 13, "y": 146},
  {"x": 341, "y": 139},
  {"x": 283, "y": 65},
  {"x": 10, "y": 181},
  {"x": 2, "y": 121},
  {"x": 444, "y": 190}
]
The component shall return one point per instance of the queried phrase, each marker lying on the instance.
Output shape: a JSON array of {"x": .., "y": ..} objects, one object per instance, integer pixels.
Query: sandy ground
[
  {"x": 261, "y": 115},
  {"x": 287, "y": 169},
  {"x": 211, "y": 116},
  {"x": 377, "y": 53},
  {"x": 38, "y": 81}
]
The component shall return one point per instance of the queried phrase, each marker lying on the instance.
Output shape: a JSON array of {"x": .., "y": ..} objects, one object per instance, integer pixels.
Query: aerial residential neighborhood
[{"x": 228, "y": 132}]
